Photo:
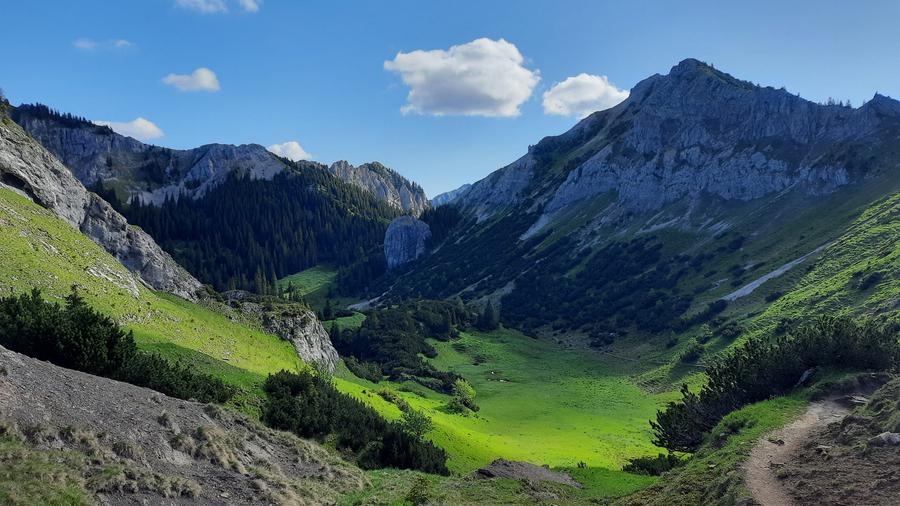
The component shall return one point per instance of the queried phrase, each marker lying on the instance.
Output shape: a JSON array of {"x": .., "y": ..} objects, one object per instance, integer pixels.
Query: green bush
[
  {"x": 762, "y": 368},
  {"x": 653, "y": 466},
  {"x": 310, "y": 406},
  {"x": 77, "y": 337}
]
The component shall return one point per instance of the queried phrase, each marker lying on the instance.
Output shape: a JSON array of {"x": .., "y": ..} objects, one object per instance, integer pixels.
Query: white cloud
[
  {"x": 85, "y": 44},
  {"x": 251, "y": 5},
  {"x": 582, "y": 95},
  {"x": 200, "y": 79},
  {"x": 206, "y": 6},
  {"x": 481, "y": 78},
  {"x": 290, "y": 150},
  {"x": 89, "y": 45},
  {"x": 139, "y": 129}
]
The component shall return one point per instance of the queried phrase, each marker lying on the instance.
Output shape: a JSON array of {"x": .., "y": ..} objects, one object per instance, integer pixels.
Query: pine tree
[{"x": 488, "y": 320}]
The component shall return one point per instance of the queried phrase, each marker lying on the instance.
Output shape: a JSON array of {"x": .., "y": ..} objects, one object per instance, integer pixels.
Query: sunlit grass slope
[
  {"x": 316, "y": 284},
  {"x": 540, "y": 402},
  {"x": 41, "y": 251}
]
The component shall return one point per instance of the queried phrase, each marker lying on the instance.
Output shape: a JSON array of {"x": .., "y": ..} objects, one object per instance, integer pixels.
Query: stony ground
[
  {"x": 142, "y": 447},
  {"x": 769, "y": 456},
  {"x": 826, "y": 457}
]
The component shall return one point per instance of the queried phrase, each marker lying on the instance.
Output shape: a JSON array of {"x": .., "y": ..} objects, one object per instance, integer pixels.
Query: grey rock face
[
  {"x": 385, "y": 184},
  {"x": 194, "y": 172},
  {"x": 309, "y": 337},
  {"x": 405, "y": 240},
  {"x": 502, "y": 188},
  {"x": 695, "y": 132},
  {"x": 95, "y": 153},
  {"x": 29, "y": 170},
  {"x": 450, "y": 196}
]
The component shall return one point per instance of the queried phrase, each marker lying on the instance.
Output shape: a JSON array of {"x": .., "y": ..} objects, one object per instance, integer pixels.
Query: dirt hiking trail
[{"x": 774, "y": 450}]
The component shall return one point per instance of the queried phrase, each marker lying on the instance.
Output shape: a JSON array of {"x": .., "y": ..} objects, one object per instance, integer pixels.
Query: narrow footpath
[{"x": 774, "y": 450}]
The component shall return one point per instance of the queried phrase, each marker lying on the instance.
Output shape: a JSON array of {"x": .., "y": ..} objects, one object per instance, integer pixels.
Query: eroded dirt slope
[{"x": 141, "y": 447}]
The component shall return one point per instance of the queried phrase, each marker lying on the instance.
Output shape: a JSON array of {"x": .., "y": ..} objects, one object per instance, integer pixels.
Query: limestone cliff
[
  {"x": 29, "y": 170},
  {"x": 405, "y": 240},
  {"x": 385, "y": 184},
  {"x": 696, "y": 132},
  {"x": 151, "y": 173}
]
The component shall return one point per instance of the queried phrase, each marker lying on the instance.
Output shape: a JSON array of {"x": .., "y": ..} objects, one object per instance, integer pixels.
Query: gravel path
[{"x": 772, "y": 453}]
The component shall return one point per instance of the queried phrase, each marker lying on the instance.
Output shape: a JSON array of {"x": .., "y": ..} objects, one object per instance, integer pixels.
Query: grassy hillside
[{"x": 41, "y": 251}]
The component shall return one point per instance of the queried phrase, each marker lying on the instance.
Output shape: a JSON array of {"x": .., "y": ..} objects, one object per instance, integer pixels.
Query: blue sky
[{"x": 443, "y": 92}]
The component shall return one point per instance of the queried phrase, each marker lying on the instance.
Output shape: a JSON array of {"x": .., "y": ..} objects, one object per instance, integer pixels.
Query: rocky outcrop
[
  {"x": 309, "y": 337},
  {"x": 450, "y": 196},
  {"x": 692, "y": 134},
  {"x": 385, "y": 184},
  {"x": 194, "y": 172},
  {"x": 513, "y": 470},
  {"x": 405, "y": 240},
  {"x": 29, "y": 170}
]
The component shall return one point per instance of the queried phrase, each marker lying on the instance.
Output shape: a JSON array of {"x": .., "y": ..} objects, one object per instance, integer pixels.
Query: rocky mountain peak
[
  {"x": 693, "y": 132},
  {"x": 386, "y": 184},
  {"x": 149, "y": 173}
]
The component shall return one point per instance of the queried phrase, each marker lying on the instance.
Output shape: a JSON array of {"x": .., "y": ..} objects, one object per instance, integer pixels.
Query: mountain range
[{"x": 702, "y": 218}]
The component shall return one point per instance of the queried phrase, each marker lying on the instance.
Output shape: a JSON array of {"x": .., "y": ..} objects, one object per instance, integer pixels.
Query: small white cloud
[
  {"x": 251, "y": 5},
  {"x": 139, "y": 129},
  {"x": 481, "y": 78},
  {"x": 200, "y": 79},
  {"x": 90, "y": 45},
  {"x": 290, "y": 150},
  {"x": 205, "y": 6},
  {"x": 85, "y": 44},
  {"x": 582, "y": 95}
]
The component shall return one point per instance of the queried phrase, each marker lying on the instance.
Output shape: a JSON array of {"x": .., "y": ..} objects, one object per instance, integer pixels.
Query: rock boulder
[{"x": 405, "y": 240}]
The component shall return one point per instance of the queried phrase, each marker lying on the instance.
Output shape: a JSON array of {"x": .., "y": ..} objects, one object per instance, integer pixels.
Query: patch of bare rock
[
  {"x": 145, "y": 448},
  {"x": 510, "y": 469}
]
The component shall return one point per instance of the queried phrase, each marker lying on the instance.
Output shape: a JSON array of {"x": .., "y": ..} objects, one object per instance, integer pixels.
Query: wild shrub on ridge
[{"x": 762, "y": 368}]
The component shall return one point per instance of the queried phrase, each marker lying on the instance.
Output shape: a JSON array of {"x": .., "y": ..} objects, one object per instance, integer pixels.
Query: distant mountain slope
[
  {"x": 246, "y": 233},
  {"x": 698, "y": 184},
  {"x": 696, "y": 131},
  {"x": 95, "y": 153},
  {"x": 150, "y": 173},
  {"x": 447, "y": 197}
]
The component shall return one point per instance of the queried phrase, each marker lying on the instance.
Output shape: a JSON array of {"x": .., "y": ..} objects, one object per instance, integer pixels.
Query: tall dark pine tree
[{"x": 488, "y": 320}]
